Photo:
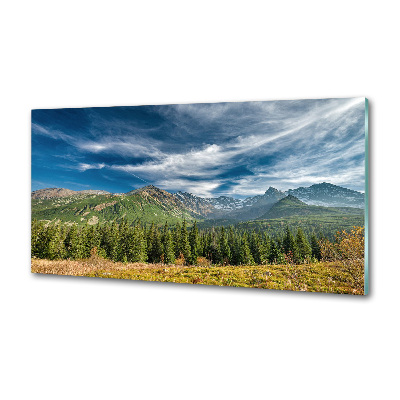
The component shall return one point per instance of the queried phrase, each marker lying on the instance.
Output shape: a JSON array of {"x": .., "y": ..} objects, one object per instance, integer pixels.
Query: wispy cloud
[
  {"x": 84, "y": 167},
  {"x": 225, "y": 148},
  {"x": 38, "y": 129}
]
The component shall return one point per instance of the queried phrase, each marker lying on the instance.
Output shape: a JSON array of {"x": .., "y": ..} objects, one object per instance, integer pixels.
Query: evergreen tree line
[{"x": 138, "y": 243}]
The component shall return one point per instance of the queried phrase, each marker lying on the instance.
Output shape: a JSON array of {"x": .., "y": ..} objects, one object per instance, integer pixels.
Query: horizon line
[{"x": 179, "y": 191}]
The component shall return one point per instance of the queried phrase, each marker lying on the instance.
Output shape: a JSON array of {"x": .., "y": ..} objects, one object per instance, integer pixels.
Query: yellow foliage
[
  {"x": 180, "y": 260},
  {"x": 348, "y": 248},
  {"x": 203, "y": 262},
  {"x": 328, "y": 277}
]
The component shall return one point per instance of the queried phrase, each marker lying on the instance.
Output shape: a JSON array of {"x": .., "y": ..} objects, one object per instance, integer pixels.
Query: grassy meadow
[{"x": 327, "y": 277}]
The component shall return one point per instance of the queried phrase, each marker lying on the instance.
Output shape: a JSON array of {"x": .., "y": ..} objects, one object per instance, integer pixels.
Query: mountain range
[{"x": 151, "y": 204}]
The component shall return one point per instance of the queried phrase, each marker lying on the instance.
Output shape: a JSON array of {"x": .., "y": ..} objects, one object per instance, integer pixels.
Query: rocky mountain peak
[{"x": 271, "y": 190}]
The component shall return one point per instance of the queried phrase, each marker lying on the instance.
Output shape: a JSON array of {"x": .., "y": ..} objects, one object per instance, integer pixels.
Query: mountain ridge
[
  {"x": 50, "y": 193},
  {"x": 152, "y": 203},
  {"x": 329, "y": 195}
]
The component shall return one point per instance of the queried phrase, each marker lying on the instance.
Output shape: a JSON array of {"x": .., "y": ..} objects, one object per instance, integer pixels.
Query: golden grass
[{"x": 328, "y": 277}]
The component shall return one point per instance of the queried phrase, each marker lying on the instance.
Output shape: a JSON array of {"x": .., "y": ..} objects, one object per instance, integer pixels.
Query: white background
[{"x": 80, "y": 338}]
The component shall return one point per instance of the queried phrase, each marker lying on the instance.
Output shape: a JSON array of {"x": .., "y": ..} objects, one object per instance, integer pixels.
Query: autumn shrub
[
  {"x": 203, "y": 262},
  {"x": 180, "y": 260},
  {"x": 289, "y": 258},
  {"x": 348, "y": 249}
]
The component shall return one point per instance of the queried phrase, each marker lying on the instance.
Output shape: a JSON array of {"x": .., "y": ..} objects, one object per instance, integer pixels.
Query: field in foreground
[{"x": 327, "y": 277}]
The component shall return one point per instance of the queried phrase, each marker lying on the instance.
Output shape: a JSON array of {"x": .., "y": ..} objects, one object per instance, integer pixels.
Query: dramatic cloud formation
[{"x": 234, "y": 149}]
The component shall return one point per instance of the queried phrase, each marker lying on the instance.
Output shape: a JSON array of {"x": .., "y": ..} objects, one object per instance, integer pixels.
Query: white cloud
[
  {"x": 298, "y": 137},
  {"x": 193, "y": 163},
  {"x": 53, "y": 133},
  {"x": 84, "y": 167},
  {"x": 202, "y": 188},
  {"x": 125, "y": 146},
  {"x": 301, "y": 142}
]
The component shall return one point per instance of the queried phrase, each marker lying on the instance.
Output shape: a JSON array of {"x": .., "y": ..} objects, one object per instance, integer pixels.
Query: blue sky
[{"x": 235, "y": 149}]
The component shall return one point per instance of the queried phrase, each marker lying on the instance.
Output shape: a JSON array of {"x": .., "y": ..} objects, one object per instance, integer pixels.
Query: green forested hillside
[
  {"x": 326, "y": 225},
  {"x": 152, "y": 205},
  {"x": 291, "y": 206},
  {"x": 93, "y": 209}
]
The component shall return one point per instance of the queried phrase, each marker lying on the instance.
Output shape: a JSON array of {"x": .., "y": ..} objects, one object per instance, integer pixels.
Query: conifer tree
[
  {"x": 36, "y": 244},
  {"x": 273, "y": 253},
  {"x": 138, "y": 245},
  {"x": 224, "y": 249},
  {"x": 55, "y": 244},
  {"x": 123, "y": 241},
  {"x": 256, "y": 248},
  {"x": 168, "y": 255},
  {"x": 289, "y": 243},
  {"x": 177, "y": 240},
  {"x": 236, "y": 250},
  {"x": 157, "y": 247},
  {"x": 149, "y": 242},
  {"x": 75, "y": 244},
  {"x": 40, "y": 240},
  {"x": 266, "y": 247},
  {"x": 303, "y": 248},
  {"x": 231, "y": 238},
  {"x": 212, "y": 250},
  {"x": 185, "y": 245},
  {"x": 245, "y": 255},
  {"x": 111, "y": 240},
  {"x": 194, "y": 244},
  {"x": 92, "y": 239},
  {"x": 276, "y": 255},
  {"x": 315, "y": 247}
]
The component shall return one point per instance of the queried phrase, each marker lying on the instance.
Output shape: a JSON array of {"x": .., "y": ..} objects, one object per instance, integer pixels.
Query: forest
[
  {"x": 223, "y": 256},
  {"x": 176, "y": 245}
]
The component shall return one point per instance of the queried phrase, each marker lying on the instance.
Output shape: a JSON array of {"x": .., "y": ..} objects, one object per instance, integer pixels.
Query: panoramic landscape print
[{"x": 268, "y": 194}]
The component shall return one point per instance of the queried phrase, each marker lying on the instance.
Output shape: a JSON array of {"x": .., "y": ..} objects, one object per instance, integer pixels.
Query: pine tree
[
  {"x": 156, "y": 247},
  {"x": 137, "y": 247},
  {"x": 149, "y": 243},
  {"x": 110, "y": 241},
  {"x": 123, "y": 239},
  {"x": 315, "y": 247},
  {"x": 36, "y": 244},
  {"x": 55, "y": 244},
  {"x": 75, "y": 243},
  {"x": 303, "y": 248},
  {"x": 266, "y": 248},
  {"x": 289, "y": 244},
  {"x": 177, "y": 240},
  {"x": 92, "y": 239},
  {"x": 184, "y": 244},
  {"x": 257, "y": 248},
  {"x": 231, "y": 241},
  {"x": 194, "y": 244},
  {"x": 224, "y": 249},
  {"x": 245, "y": 255},
  {"x": 236, "y": 250},
  {"x": 168, "y": 247},
  {"x": 211, "y": 249},
  {"x": 276, "y": 256}
]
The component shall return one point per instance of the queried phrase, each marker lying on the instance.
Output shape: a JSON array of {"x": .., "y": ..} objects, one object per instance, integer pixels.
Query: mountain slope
[
  {"x": 328, "y": 195},
  {"x": 254, "y": 207},
  {"x": 151, "y": 204},
  {"x": 229, "y": 207},
  {"x": 291, "y": 206},
  {"x": 197, "y": 204},
  {"x": 148, "y": 205},
  {"x": 51, "y": 193}
]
